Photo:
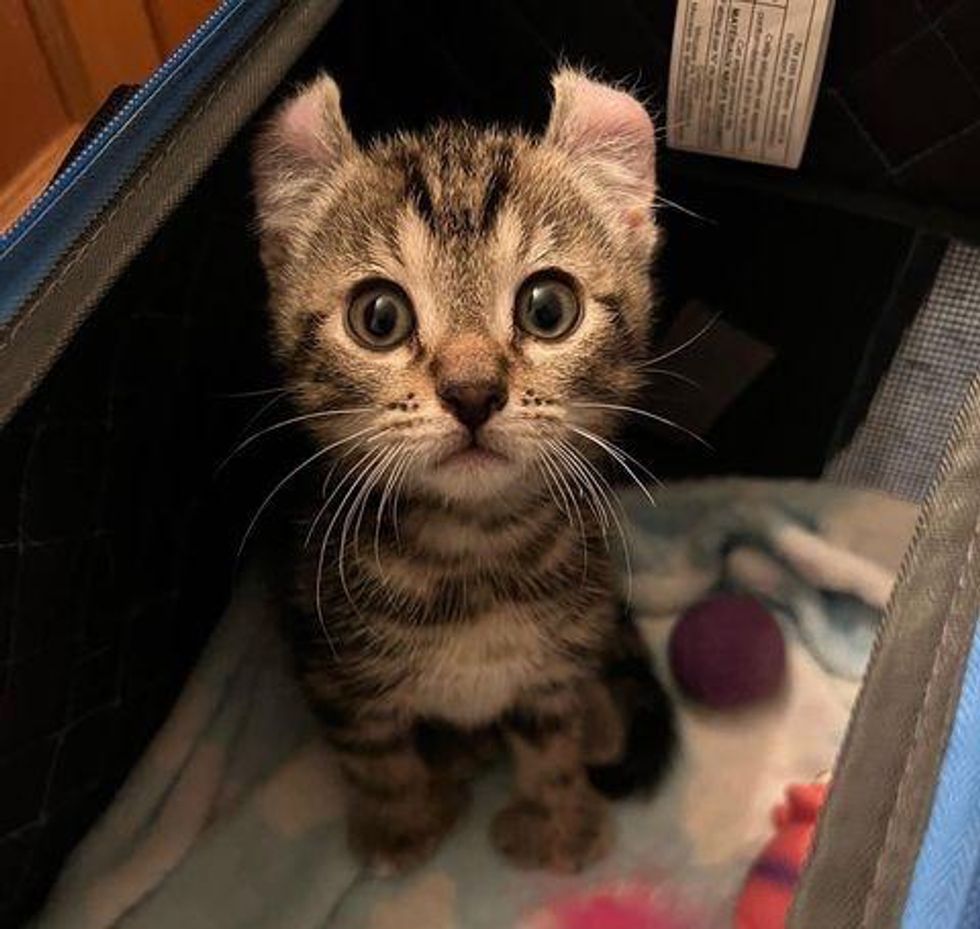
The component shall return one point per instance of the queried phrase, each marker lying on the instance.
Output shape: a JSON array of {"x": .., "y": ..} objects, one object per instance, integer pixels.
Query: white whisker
[
  {"x": 245, "y": 394},
  {"x": 326, "y": 541},
  {"x": 288, "y": 422},
  {"x": 621, "y": 457},
  {"x": 356, "y": 508},
  {"x": 569, "y": 482},
  {"x": 598, "y": 500},
  {"x": 257, "y": 416},
  {"x": 593, "y": 501},
  {"x": 382, "y": 470},
  {"x": 275, "y": 490},
  {"x": 328, "y": 499},
  {"x": 646, "y": 413},
  {"x": 687, "y": 343},
  {"x": 399, "y": 487},
  {"x": 394, "y": 475},
  {"x": 675, "y": 376},
  {"x": 612, "y": 502},
  {"x": 660, "y": 199},
  {"x": 553, "y": 485}
]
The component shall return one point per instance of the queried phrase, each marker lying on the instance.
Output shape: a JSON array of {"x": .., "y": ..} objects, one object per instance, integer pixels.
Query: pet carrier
[{"x": 846, "y": 302}]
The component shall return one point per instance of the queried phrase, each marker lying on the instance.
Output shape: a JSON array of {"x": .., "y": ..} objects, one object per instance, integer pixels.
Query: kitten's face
[{"x": 470, "y": 294}]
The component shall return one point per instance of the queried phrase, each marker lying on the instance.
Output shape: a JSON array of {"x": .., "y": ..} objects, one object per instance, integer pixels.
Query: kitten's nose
[{"x": 473, "y": 403}]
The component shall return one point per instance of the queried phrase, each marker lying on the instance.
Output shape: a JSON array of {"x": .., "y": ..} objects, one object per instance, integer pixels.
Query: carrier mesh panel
[{"x": 897, "y": 448}]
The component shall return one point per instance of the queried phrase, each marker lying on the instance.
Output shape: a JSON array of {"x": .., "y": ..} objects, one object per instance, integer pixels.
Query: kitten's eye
[
  {"x": 381, "y": 316},
  {"x": 547, "y": 307}
]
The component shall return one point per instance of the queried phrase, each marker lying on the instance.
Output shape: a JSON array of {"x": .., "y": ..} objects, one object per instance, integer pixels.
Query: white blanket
[{"x": 234, "y": 816}]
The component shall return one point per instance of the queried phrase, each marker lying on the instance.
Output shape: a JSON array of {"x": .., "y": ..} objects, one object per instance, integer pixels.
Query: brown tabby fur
[{"x": 482, "y": 600}]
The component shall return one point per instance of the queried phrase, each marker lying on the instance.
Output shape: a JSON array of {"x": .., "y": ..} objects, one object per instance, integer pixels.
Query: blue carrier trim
[
  {"x": 945, "y": 889},
  {"x": 30, "y": 250}
]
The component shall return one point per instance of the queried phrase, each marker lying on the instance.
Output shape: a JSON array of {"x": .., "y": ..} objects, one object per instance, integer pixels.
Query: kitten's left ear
[{"x": 608, "y": 132}]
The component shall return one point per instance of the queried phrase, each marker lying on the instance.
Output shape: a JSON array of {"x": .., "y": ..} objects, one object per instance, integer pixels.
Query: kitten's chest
[{"x": 475, "y": 673}]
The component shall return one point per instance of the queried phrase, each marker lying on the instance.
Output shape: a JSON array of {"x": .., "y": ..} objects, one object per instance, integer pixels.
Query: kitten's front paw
[
  {"x": 391, "y": 850},
  {"x": 564, "y": 838},
  {"x": 394, "y": 839}
]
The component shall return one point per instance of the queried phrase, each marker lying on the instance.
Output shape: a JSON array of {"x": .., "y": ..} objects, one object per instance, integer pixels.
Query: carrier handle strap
[{"x": 43, "y": 324}]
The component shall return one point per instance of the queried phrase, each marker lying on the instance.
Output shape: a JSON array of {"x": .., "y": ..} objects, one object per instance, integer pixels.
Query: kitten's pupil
[
  {"x": 545, "y": 309},
  {"x": 381, "y": 316}
]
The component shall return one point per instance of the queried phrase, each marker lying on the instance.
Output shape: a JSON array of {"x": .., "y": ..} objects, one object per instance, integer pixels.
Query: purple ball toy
[{"x": 727, "y": 651}]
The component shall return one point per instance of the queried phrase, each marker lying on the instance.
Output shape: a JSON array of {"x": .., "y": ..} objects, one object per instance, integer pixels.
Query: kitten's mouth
[{"x": 473, "y": 455}]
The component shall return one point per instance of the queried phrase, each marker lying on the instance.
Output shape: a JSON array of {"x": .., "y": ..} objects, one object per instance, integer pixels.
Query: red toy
[
  {"x": 768, "y": 891},
  {"x": 620, "y": 905}
]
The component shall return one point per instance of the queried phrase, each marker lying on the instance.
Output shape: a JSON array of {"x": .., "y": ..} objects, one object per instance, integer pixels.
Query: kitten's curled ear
[
  {"x": 295, "y": 155},
  {"x": 610, "y": 135}
]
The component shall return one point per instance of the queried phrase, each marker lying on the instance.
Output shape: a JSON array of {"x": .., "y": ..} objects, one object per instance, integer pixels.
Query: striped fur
[{"x": 475, "y": 598}]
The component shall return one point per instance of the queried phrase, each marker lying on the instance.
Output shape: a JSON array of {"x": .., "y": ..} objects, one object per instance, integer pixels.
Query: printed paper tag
[{"x": 744, "y": 76}]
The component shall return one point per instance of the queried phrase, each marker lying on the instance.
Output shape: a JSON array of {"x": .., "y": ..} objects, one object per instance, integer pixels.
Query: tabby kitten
[{"x": 461, "y": 315}]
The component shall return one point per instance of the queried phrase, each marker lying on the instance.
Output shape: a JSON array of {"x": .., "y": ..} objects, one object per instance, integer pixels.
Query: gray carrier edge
[{"x": 879, "y": 804}]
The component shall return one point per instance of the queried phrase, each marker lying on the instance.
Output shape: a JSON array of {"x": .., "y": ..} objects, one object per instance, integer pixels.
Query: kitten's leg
[
  {"x": 456, "y": 754},
  {"x": 603, "y": 735},
  {"x": 556, "y": 820},
  {"x": 398, "y": 810}
]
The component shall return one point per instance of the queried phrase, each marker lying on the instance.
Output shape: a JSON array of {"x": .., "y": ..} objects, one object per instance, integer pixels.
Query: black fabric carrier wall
[{"x": 131, "y": 328}]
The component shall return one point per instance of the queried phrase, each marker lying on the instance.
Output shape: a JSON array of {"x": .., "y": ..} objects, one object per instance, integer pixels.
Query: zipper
[{"x": 92, "y": 149}]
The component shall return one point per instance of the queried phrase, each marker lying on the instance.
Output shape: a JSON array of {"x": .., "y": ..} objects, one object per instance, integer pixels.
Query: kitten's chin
[
  {"x": 475, "y": 458},
  {"x": 472, "y": 474}
]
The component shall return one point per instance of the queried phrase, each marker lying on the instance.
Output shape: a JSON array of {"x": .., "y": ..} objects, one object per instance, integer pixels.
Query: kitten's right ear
[
  {"x": 297, "y": 152},
  {"x": 610, "y": 136}
]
